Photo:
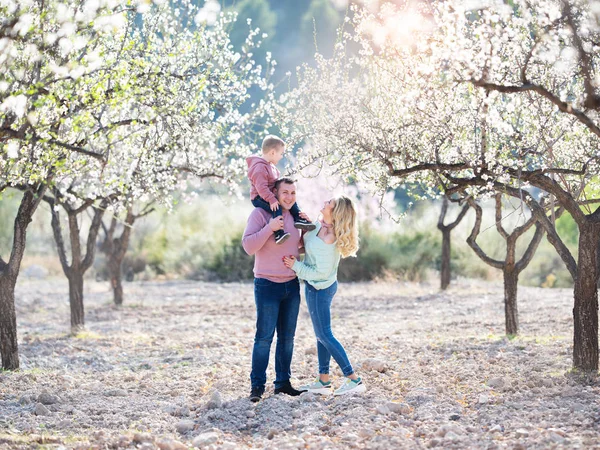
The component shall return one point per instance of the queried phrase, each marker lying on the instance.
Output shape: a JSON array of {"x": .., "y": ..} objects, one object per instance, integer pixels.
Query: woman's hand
[{"x": 289, "y": 261}]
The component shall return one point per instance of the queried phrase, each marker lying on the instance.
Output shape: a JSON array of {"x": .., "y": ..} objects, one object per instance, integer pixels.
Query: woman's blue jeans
[
  {"x": 319, "y": 307},
  {"x": 277, "y": 306}
]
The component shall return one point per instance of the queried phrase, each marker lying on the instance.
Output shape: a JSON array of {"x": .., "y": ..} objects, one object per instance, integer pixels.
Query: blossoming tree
[
  {"x": 511, "y": 266},
  {"x": 497, "y": 98},
  {"x": 46, "y": 49},
  {"x": 119, "y": 112}
]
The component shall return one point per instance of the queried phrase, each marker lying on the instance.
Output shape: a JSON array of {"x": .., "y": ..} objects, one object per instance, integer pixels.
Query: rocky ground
[{"x": 170, "y": 370}]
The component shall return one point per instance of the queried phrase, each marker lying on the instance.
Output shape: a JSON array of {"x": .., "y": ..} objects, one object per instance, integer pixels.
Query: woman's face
[{"x": 328, "y": 207}]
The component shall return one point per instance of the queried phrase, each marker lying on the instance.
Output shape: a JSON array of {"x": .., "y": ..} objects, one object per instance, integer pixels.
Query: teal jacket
[{"x": 321, "y": 261}]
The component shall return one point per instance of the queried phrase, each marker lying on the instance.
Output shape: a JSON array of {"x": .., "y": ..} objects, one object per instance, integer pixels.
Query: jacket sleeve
[
  {"x": 257, "y": 233},
  {"x": 260, "y": 179},
  {"x": 310, "y": 272}
]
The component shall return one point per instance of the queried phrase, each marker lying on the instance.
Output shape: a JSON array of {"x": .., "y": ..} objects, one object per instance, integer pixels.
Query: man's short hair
[
  {"x": 271, "y": 141},
  {"x": 284, "y": 180}
]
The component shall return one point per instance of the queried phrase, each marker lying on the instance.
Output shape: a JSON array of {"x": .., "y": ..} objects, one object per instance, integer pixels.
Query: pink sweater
[
  {"x": 262, "y": 175},
  {"x": 259, "y": 240}
]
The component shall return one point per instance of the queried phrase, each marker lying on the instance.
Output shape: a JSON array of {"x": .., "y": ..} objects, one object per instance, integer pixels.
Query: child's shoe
[
  {"x": 303, "y": 224},
  {"x": 317, "y": 387},
  {"x": 281, "y": 236},
  {"x": 351, "y": 387}
]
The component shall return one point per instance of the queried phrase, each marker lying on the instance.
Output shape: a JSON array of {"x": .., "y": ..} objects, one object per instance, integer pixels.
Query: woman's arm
[
  {"x": 310, "y": 272},
  {"x": 318, "y": 271}
]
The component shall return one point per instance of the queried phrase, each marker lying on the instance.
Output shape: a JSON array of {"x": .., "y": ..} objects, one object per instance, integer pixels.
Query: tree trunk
[
  {"x": 445, "y": 270},
  {"x": 446, "y": 230},
  {"x": 9, "y": 348},
  {"x": 585, "y": 310},
  {"x": 76, "y": 301},
  {"x": 511, "y": 314},
  {"x": 9, "y": 271},
  {"x": 115, "y": 250},
  {"x": 79, "y": 265},
  {"x": 115, "y": 265}
]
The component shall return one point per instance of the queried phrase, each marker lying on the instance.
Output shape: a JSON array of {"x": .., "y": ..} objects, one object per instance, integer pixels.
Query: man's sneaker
[
  {"x": 256, "y": 394},
  {"x": 287, "y": 389},
  {"x": 303, "y": 224},
  {"x": 281, "y": 238},
  {"x": 317, "y": 387},
  {"x": 351, "y": 387}
]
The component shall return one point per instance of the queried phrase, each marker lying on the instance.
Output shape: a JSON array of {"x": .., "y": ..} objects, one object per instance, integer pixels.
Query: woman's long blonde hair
[{"x": 345, "y": 226}]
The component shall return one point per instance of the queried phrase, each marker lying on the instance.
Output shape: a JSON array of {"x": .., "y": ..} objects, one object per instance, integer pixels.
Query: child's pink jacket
[{"x": 262, "y": 175}]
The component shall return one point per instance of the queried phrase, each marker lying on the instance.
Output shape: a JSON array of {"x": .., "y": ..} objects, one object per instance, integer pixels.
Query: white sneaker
[
  {"x": 351, "y": 387},
  {"x": 317, "y": 387}
]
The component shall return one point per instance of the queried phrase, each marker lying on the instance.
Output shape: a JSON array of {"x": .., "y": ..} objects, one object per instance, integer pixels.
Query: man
[{"x": 276, "y": 291}]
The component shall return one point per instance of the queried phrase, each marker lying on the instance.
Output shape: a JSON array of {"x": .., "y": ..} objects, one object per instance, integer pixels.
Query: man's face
[{"x": 286, "y": 195}]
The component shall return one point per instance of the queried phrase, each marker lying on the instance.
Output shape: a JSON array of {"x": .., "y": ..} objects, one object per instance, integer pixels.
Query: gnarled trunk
[
  {"x": 79, "y": 263},
  {"x": 585, "y": 309},
  {"x": 446, "y": 230},
  {"x": 511, "y": 268},
  {"x": 9, "y": 348},
  {"x": 115, "y": 250},
  {"x": 511, "y": 314},
  {"x": 115, "y": 265},
  {"x": 75, "y": 278},
  {"x": 9, "y": 271},
  {"x": 445, "y": 269}
]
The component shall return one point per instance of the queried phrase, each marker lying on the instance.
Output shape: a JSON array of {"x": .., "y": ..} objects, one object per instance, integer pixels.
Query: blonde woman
[{"x": 335, "y": 237}]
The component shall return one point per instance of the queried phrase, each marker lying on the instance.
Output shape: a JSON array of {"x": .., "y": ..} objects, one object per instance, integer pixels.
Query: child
[{"x": 262, "y": 174}]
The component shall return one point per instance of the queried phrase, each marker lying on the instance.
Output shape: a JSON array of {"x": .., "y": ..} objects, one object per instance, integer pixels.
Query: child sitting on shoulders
[{"x": 262, "y": 173}]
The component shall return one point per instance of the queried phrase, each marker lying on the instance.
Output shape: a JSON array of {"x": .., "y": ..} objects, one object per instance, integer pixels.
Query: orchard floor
[{"x": 170, "y": 370}]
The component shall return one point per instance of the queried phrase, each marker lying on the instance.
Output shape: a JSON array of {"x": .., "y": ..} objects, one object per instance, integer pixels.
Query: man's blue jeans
[
  {"x": 277, "y": 306},
  {"x": 319, "y": 307}
]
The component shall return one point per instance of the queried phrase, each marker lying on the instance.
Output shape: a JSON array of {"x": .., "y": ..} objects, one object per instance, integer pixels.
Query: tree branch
[
  {"x": 88, "y": 260},
  {"x": 519, "y": 231},
  {"x": 58, "y": 238},
  {"x": 534, "y": 206},
  {"x": 430, "y": 167},
  {"x": 442, "y": 216},
  {"x": 120, "y": 124},
  {"x": 472, "y": 239},
  {"x": 21, "y": 136},
  {"x": 592, "y": 101},
  {"x": 527, "y": 87},
  {"x": 551, "y": 235},
  {"x": 498, "y": 216},
  {"x": 29, "y": 203},
  {"x": 531, "y": 248},
  {"x": 460, "y": 217}
]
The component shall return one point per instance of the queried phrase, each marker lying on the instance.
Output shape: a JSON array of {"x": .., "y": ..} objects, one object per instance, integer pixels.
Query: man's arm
[{"x": 257, "y": 232}]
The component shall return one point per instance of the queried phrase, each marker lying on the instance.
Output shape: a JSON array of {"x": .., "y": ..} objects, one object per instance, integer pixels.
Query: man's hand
[
  {"x": 274, "y": 205},
  {"x": 289, "y": 261},
  {"x": 276, "y": 223}
]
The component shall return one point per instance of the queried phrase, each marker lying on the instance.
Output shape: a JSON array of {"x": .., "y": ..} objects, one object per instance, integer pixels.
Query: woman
[{"x": 334, "y": 237}]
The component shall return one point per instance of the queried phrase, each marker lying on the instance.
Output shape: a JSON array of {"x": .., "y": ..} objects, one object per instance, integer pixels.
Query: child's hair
[
  {"x": 345, "y": 226},
  {"x": 271, "y": 141}
]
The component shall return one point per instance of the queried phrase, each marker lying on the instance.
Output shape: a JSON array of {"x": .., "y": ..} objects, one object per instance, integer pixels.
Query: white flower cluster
[
  {"x": 470, "y": 95},
  {"x": 102, "y": 102}
]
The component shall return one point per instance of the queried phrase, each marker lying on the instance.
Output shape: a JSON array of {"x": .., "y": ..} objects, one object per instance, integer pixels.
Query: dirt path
[{"x": 171, "y": 367}]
